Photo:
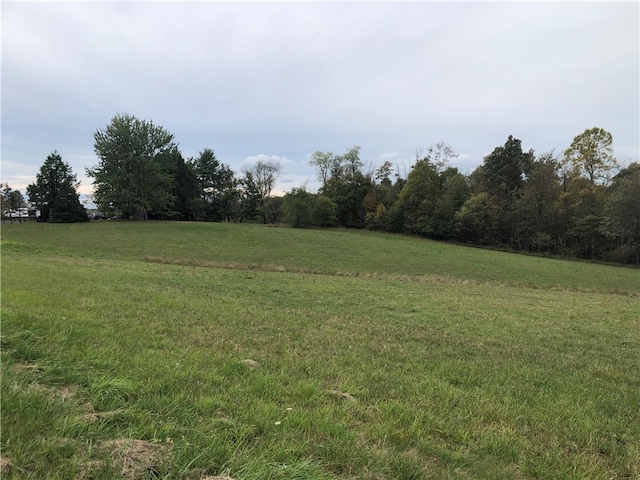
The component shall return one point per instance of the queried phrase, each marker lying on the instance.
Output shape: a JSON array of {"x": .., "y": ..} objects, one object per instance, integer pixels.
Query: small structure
[{"x": 21, "y": 215}]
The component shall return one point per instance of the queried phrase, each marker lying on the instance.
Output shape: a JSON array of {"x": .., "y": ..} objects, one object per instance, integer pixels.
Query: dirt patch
[
  {"x": 136, "y": 459},
  {"x": 136, "y": 456},
  {"x": 65, "y": 392},
  {"x": 21, "y": 368},
  {"x": 252, "y": 364},
  {"x": 5, "y": 466},
  {"x": 93, "y": 417},
  {"x": 87, "y": 469},
  {"x": 342, "y": 395}
]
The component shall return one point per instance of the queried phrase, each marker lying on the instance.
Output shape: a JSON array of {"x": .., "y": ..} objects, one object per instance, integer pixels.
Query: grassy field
[{"x": 210, "y": 351}]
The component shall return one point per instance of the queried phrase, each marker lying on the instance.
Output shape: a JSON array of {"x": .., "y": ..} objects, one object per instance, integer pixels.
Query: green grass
[{"x": 380, "y": 357}]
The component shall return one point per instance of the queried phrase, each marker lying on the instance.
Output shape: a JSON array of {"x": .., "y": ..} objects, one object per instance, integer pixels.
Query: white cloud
[{"x": 261, "y": 157}]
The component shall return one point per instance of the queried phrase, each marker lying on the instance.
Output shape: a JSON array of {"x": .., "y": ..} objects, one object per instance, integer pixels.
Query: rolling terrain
[{"x": 200, "y": 350}]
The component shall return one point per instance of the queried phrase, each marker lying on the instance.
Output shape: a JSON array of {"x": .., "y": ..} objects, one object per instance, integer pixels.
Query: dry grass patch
[
  {"x": 342, "y": 396},
  {"x": 252, "y": 364},
  {"x": 93, "y": 417},
  {"x": 5, "y": 466},
  {"x": 135, "y": 458},
  {"x": 23, "y": 368},
  {"x": 64, "y": 392}
]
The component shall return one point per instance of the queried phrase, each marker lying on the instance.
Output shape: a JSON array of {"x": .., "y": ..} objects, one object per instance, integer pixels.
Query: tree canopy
[
  {"x": 591, "y": 155},
  {"x": 134, "y": 171},
  {"x": 54, "y": 192}
]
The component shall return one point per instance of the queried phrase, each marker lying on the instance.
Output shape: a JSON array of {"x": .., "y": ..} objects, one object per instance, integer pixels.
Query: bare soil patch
[
  {"x": 135, "y": 458},
  {"x": 5, "y": 466},
  {"x": 342, "y": 395},
  {"x": 252, "y": 364},
  {"x": 22, "y": 368}
]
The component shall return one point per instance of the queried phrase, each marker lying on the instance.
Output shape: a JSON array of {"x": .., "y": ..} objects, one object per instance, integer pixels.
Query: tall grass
[{"x": 125, "y": 348}]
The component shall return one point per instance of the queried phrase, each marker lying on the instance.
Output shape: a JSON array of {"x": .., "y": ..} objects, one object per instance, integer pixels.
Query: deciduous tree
[
  {"x": 534, "y": 209},
  {"x": 131, "y": 177},
  {"x": 263, "y": 176},
  {"x": 323, "y": 161},
  {"x": 621, "y": 216},
  {"x": 591, "y": 155},
  {"x": 10, "y": 199}
]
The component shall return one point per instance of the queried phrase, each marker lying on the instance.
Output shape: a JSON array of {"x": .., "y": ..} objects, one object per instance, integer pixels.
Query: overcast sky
[{"x": 282, "y": 80}]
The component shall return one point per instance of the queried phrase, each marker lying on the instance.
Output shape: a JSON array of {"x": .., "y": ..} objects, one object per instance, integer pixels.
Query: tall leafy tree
[
  {"x": 580, "y": 209},
  {"x": 478, "y": 219},
  {"x": 247, "y": 199},
  {"x": 454, "y": 193},
  {"x": 54, "y": 192},
  {"x": 591, "y": 155},
  {"x": 347, "y": 188},
  {"x": 504, "y": 173},
  {"x": 537, "y": 225},
  {"x": 132, "y": 176},
  {"x": 323, "y": 212},
  {"x": 187, "y": 204},
  {"x": 263, "y": 177},
  {"x": 418, "y": 198},
  {"x": 298, "y": 205},
  {"x": 420, "y": 203},
  {"x": 215, "y": 179},
  {"x": 506, "y": 168},
  {"x": 621, "y": 216},
  {"x": 381, "y": 198},
  {"x": 323, "y": 161}
]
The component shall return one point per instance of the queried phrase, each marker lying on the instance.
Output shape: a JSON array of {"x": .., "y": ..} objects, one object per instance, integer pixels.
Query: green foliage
[
  {"x": 513, "y": 200},
  {"x": 298, "y": 204},
  {"x": 503, "y": 176},
  {"x": 581, "y": 207},
  {"x": 418, "y": 198},
  {"x": 10, "y": 199},
  {"x": 304, "y": 209},
  {"x": 347, "y": 187},
  {"x": 323, "y": 212},
  {"x": 621, "y": 216},
  {"x": 249, "y": 199},
  {"x": 506, "y": 168},
  {"x": 454, "y": 193},
  {"x": 591, "y": 155},
  {"x": 478, "y": 221},
  {"x": 323, "y": 162},
  {"x": 186, "y": 191},
  {"x": 382, "y": 198},
  {"x": 54, "y": 192},
  {"x": 133, "y": 176},
  {"x": 218, "y": 185},
  {"x": 263, "y": 176},
  {"x": 535, "y": 208}
]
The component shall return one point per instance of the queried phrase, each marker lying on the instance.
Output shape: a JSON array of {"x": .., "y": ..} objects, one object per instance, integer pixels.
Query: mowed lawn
[{"x": 198, "y": 351}]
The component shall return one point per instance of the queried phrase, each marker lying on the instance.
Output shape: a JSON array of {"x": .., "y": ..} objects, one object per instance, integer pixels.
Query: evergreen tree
[
  {"x": 54, "y": 192},
  {"x": 215, "y": 180}
]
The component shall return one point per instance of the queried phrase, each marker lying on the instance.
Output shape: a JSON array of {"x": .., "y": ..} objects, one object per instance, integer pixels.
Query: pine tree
[{"x": 54, "y": 192}]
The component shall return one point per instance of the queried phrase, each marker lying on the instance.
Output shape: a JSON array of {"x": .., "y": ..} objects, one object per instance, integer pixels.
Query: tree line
[{"x": 579, "y": 204}]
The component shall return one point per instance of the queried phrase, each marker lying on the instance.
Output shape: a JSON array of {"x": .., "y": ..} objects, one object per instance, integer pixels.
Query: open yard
[{"x": 200, "y": 351}]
